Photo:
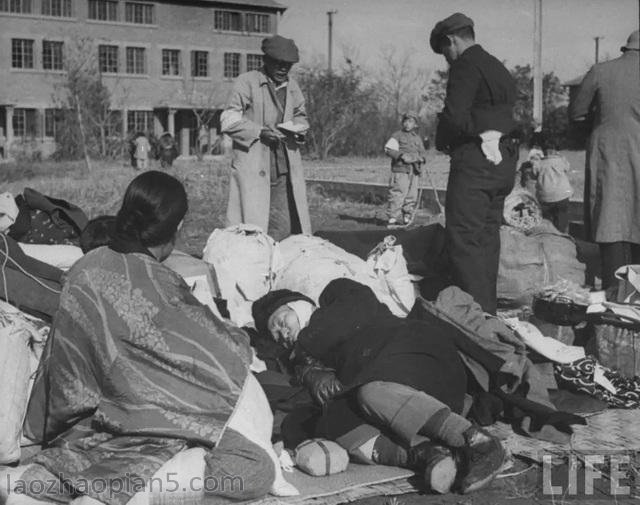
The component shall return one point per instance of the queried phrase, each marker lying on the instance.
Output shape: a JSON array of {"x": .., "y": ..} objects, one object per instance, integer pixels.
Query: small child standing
[
  {"x": 143, "y": 147},
  {"x": 548, "y": 171},
  {"x": 407, "y": 153}
]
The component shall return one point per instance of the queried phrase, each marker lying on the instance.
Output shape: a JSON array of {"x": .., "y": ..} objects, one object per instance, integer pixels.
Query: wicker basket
[{"x": 618, "y": 348}]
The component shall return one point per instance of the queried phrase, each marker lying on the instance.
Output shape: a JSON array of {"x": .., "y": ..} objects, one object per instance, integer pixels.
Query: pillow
[{"x": 320, "y": 457}]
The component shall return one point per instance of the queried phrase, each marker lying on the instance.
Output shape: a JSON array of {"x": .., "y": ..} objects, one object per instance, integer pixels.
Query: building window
[
  {"x": 108, "y": 59},
  {"x": 139, "y": 13},
  {"x": 254, "y": 62},
  {"x": 24, "y": 123},
  {"x": 199, "y": 63},
  {"x": 103, "y": 10},
  {"x": 21, "y": 53},
  {"x": 136, "y": 60},
  {"x": 139, "y": 121},
  {"x": 258, "y": 23},
  {"x": 52, "y": 55},
  {"x": 16, "y": 6},
  {"x": 228, "y": 21},
  {"x": 58, "y": 8},
  {"x": 231, "y": 65},
  {"x": 52, "y": 119},
  {"x": 170, "y": 62}
]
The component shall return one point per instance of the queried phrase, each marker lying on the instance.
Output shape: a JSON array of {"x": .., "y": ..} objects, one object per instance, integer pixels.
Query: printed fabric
[
  {"x": 136, "y": 370},
  {"x": 579, "y": 376}
]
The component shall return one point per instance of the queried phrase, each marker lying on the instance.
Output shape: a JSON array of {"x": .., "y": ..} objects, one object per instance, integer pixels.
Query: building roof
[{"x": 269, "y": 4}]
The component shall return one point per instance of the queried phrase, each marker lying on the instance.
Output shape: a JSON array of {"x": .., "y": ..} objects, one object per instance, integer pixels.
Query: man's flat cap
[
  {"x": 280, "y": 48},
  {"x": 446, "y": 27}
]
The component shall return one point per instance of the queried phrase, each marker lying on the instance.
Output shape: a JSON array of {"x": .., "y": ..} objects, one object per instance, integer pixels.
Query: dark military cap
[
  {"x": 447, "y": 26},
  {"x": 280, "y": 48}
]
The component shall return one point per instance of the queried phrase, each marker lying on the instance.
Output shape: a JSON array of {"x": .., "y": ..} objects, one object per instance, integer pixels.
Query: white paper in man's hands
[{"x": 292, "y": 127}]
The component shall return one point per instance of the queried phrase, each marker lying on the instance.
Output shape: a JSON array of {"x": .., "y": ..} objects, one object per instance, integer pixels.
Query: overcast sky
[{"x": 503, "y": 27}]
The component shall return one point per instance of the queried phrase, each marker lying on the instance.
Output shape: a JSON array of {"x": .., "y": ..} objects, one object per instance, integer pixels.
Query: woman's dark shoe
[
  {"x": 436, "y": 463},
  {"x": 481, "y": 459}
]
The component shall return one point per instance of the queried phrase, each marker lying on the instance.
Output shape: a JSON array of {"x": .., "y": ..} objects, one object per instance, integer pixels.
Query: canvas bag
[
  {"x": 243, "y": 259},
  {"x": 307, "y": 264},
  {"x": 22, "y": 342},
  {"x": 531, "y": 261}
]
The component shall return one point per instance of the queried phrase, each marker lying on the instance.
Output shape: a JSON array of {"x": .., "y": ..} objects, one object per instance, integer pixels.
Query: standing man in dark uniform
[{"x": 474, "y": 129}]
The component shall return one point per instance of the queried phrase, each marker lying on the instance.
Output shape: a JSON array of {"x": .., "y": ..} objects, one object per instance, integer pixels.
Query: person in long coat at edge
[
  {"x": 610, "y": 96},
  {"x": 267, "y": 186}
]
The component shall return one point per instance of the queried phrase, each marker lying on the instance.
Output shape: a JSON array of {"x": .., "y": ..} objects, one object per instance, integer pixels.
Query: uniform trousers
[{"x": 473, "y": 210}]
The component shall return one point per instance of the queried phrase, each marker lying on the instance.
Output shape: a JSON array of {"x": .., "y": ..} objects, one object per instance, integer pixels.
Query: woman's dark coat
[{"x": 356, "y": 335}]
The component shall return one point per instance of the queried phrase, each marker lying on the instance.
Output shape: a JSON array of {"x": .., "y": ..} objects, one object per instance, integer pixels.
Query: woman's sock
[{"x": 387, "y": 452}]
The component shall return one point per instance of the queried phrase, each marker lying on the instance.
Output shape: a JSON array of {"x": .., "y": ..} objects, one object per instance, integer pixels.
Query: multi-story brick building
[{"x": 160, "y": 59}]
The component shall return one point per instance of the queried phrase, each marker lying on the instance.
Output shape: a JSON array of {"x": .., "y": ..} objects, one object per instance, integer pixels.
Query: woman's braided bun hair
[{"x": 152, "y": 208}]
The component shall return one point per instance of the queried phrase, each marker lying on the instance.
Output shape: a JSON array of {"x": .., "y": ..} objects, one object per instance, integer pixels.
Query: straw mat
[
  {"x": 611, "y": 430},
  {"x": 357, "y": 482}
]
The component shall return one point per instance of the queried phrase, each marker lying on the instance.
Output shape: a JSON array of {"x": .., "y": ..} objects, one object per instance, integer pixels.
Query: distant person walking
[
  {"x": 610, "y": 92},
  {"x": 407, "y": 153},
  {"x": 474, "y": 129},
  {"x": 267, "y": 186}
]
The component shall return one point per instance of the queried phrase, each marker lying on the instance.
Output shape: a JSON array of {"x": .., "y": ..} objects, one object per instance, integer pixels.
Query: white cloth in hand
[{"x": 491, "y": 146}]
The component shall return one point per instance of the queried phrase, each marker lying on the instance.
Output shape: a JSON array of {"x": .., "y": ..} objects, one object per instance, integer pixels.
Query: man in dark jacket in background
[{"x": 474, "y": 129}]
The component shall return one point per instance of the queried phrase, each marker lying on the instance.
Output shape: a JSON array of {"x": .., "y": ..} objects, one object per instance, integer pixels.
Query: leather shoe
[{"x": 481, "y": 459}]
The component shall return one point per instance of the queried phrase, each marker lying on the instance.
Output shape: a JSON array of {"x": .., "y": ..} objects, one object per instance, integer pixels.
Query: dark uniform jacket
[{"x": 480, "y": 97}]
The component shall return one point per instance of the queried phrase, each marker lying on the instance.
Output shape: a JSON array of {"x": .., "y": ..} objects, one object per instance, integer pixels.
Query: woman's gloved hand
[{"x": 322, "y": 384}]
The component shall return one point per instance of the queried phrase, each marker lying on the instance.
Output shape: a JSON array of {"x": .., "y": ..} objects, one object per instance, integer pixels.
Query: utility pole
[
  {"x": 537, "y": 64},
  {"x": 597, "y": 40},
  {"x": 330, "y": 16}
]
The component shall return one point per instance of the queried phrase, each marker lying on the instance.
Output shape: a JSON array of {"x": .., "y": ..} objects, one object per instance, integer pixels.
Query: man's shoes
[
  {"x": 435, "y": 463},
  {"x": 481, "y": 459}
]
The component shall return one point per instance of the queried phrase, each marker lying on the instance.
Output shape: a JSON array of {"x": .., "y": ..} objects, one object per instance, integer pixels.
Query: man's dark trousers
[{"x": 474, "y": 204}]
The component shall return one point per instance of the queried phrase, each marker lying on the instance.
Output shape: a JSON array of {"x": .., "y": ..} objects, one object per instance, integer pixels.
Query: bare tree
[
  {"x": 402, "y": 81},
  {"x": 88, "y": 111},
  {"x": 204, "y": 101}
]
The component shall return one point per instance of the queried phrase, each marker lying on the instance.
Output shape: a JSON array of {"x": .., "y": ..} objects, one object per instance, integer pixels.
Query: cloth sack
[
  {"x": 8, "y": 211},
  {"x": 390, "y": 267},
  {"x": 521, "y": 210},
  {"x": 61, "y": 256},
  {"x": 253, "y": 418},
  {"x": 243, "y": 259},
  {"x": 22, "y": 338},
  {"x": 307, "y": 264},
  {"x": 529, "y": 262},
  {"x": 319, "y": 457}
]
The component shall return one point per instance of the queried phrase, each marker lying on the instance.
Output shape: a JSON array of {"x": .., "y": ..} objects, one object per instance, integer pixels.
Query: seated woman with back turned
[{"x": 137, "y": 370}]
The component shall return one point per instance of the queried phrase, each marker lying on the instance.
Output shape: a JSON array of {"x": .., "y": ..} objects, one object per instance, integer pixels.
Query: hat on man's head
[
  {"x": 446, "y": 27},
  {"x": 633, "y": 42},
  {"x": 280, "y": 48},
  {"x": 410, "y": 115},
  {"x": 264, "y": 307}
]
